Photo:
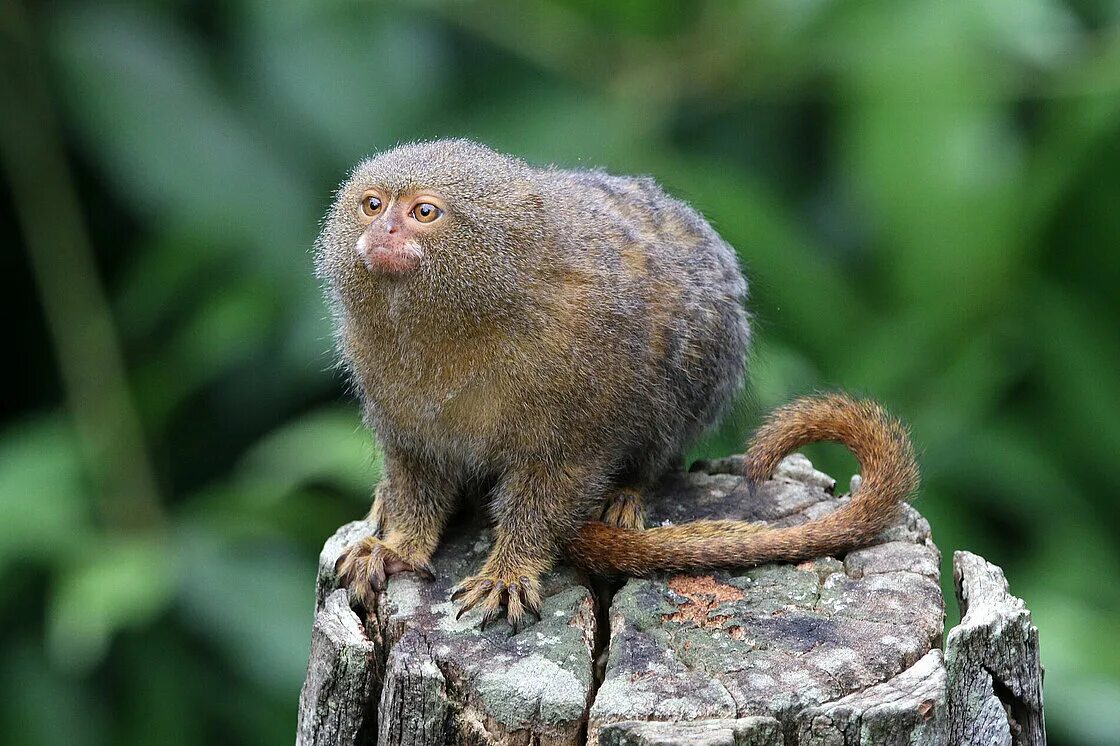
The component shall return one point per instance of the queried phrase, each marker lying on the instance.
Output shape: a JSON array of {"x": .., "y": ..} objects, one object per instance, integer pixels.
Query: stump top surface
[
  {"x": 776, "y": 639},
  {"x": 754, "y": 647},
  {"x": 538, "y": 679}
]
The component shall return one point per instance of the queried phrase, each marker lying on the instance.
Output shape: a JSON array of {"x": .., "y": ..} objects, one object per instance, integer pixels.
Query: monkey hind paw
[
  {"x": 364, "y": 569},
  {"x": 624, "y": 509},
  {"x": 518, "y": 595}
]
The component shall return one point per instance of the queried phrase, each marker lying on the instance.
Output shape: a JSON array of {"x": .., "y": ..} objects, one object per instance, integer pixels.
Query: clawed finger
[
  {"x": 471, "y": 596},
  {"x": 494, "y": 596},
  {"x": 365, "y": 568}
]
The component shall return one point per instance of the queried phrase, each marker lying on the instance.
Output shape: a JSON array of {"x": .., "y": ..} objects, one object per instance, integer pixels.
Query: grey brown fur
[{"x": 564, "y": 338}]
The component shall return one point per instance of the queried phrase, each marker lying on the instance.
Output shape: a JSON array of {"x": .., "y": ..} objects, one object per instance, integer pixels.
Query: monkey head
[{"x": 449, "y": 225}]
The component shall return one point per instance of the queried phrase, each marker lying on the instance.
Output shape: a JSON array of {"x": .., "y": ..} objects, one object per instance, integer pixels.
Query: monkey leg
[
  {"x": 414, "y": 502},
  {"x": 376, "y": 515},
  {"x": 624, "y": 509},
  {"x": 536, "y": 509}
]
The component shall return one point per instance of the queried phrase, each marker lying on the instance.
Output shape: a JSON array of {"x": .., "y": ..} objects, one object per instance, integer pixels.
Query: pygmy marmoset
[{"x": 559, "y": 337}]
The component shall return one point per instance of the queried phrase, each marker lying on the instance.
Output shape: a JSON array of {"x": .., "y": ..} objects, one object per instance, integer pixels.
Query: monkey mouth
[{"x": 391, "y": 261}]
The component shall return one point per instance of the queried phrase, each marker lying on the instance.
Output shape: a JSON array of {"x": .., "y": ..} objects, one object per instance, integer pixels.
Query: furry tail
[{"x": 879, "y": 442}]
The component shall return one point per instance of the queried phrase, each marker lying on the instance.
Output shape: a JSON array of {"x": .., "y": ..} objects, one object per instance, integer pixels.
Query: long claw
[
  {"x": 499, "y": 597},
  {"x": 377, "y": 579},
  {"x": 470, "y": 604},
  {"x": 489, "y": 617},
  {"x": 365, "y": 568}
]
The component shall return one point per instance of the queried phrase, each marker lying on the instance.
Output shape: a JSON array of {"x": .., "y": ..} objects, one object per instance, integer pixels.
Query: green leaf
[
  {"x": 43, "y": 498},
  {"x": 161, "y": 126},
  {"x": 254, "y": 601},
  {"x": 106, "y": 586},
  {"x": 329, "y": 445}
]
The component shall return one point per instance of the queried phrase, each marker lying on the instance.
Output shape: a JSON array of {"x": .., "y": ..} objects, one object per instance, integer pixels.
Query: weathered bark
[
  {"x": 910, "y": 709},
  {"x": 440, "y": 680},
  {"x": 773, "y": 641},
  {"x": 825, "y": 653},
  {"x": 335, "y": 704},
  {"x": 992, "y": 656},
  {"x": 753, "y": 731}
]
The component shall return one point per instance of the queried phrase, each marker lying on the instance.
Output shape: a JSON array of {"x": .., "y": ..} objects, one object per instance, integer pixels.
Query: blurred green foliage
[{"x": 926, "y": 196}]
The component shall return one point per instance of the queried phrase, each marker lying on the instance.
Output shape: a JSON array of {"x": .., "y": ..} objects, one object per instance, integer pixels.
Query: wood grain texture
[
  {"x": 995, "y": 672},
  {"x": 335, "y": 703}
]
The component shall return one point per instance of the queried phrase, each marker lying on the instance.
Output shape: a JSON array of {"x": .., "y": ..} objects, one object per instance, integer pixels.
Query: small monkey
[{"x": 561, "y": 337}]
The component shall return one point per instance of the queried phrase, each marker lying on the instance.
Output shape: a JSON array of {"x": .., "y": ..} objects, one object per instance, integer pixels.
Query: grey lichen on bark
[
  {"x": 838, "y": 651},
  {"x": 438, "y": 679},
  {"x": 335, "y": 703},
  {"x": 751, "y": 731},
  {"x": 771, "y": 641},
  {"x": 993, "y": 661}
]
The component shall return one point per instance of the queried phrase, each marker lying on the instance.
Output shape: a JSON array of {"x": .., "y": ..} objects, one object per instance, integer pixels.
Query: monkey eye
[
  {"x": 426, "y": 212},
  {"x": 372, "y": 205}
]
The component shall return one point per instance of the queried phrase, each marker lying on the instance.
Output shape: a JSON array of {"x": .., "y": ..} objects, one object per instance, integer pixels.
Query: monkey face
[
  {"x": 395, "y": 228},
  {"x": 448, "y": 229}
]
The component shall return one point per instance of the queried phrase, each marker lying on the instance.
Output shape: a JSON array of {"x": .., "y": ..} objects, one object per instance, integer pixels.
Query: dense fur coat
[
  {"x": 564, "y": 337},
  {"x": 559, "y": 315}
]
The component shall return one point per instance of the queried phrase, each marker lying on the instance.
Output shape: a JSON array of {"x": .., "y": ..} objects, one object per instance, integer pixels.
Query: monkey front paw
[
  {"x": 624, "y": 510},
  {"x": 365, "y": 567},
  {"x": 517, "y": 594}
]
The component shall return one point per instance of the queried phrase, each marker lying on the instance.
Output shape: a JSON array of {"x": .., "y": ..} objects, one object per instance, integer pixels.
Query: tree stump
[{"x": 831, "y": 652}]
